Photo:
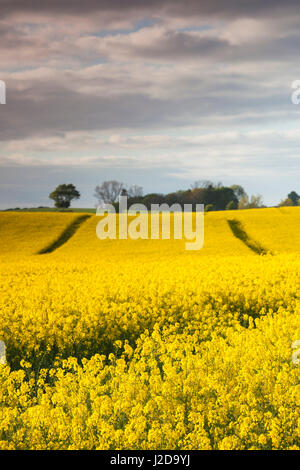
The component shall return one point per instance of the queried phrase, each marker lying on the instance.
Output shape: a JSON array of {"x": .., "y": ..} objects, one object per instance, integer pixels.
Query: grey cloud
[
  {"x": 168, "y": 82},
  {"x": 47, "y": 108},
  {"x": 172, "y": 45},
  {"x": 176, "y": 8}
]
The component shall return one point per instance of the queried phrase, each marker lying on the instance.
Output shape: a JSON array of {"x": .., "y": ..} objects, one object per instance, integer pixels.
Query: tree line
[
  {"x": 214, "y": 197},
  {"x": 293, "y": 199}
]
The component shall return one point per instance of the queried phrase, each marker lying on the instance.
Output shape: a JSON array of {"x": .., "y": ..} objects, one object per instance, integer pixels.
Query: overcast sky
[{"x": 155, "y": 93}]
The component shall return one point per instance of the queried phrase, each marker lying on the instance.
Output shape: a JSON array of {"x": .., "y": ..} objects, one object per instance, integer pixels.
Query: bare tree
[
  {"x": 201, "y": 184},
  {"x": 135, "y": 191},
  {"x": 255, "y": 201},
  {"x": 109, "y": 191}
]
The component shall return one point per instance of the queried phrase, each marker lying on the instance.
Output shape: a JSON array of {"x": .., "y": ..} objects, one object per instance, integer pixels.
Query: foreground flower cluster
[{"x": 148, "y": 349}]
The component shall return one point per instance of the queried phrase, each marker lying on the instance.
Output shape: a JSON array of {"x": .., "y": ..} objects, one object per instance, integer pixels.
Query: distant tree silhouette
[
  {"x": 109, "y": 192},
  {"x": 286, "y": 202},
  {"x": 293, "y": 196},
  {"x": 63, "y": 195}
]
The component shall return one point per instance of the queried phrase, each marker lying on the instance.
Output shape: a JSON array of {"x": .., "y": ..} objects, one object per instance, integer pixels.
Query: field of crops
[{"x": 141, "y": 344}]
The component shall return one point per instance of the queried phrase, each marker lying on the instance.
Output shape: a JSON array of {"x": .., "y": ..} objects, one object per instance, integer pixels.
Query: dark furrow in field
[
  {"x": 65, "y": 235},
  {"x": 239, "y": 232}
]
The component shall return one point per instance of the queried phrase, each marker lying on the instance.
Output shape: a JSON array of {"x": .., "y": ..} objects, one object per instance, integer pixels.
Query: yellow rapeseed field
[
  {"x": 123, "y": 344},
  {"x": 277, "y": 229}
]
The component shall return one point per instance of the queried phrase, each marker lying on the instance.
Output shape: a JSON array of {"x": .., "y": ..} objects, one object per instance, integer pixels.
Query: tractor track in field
[
  {"x": 68, "y": 232},
  {"x": 239, "y": 232}
]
